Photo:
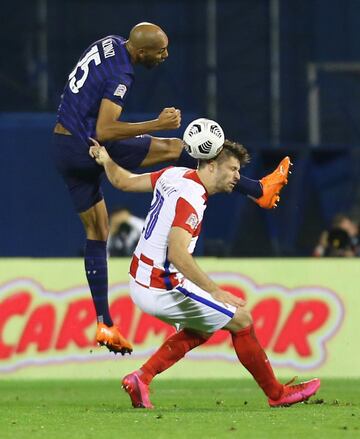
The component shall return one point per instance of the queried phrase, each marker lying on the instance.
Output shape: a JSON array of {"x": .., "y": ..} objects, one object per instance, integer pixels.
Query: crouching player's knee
[{"x": 242, "y": 318}]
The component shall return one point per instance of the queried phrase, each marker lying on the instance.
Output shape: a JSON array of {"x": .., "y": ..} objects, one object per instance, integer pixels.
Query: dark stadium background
[{"x": 41, "y": 42}]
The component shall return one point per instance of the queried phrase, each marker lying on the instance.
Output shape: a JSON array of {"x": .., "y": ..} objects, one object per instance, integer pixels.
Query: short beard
[{"x": 149, "y": 64}]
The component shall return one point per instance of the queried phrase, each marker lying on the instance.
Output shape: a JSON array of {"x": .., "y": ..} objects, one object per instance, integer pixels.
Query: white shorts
[{"x": 186, "y": 306}]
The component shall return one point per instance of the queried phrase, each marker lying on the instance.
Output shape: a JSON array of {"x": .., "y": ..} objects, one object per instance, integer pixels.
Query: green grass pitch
[{"x": 86, "y": 409}]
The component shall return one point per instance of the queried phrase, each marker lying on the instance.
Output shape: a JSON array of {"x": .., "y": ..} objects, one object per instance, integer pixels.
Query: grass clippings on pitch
[{"x": 87, "y": 409}]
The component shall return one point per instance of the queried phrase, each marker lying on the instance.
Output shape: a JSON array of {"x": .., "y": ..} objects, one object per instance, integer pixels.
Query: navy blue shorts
[{"x": 83, "y": 175}]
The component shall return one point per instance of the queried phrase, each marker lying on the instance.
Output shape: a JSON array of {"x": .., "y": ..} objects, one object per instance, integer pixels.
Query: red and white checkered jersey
[{"x": 179, "y": 200}]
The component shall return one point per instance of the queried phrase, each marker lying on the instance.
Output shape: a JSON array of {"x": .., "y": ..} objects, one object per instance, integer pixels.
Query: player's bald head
[
  {"x": 147, "y": 44},
  {"x": 147, "y": 36}
]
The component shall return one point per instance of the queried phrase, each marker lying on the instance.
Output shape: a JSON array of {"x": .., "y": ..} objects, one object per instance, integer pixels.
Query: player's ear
[{"x": 212, "y": 166}]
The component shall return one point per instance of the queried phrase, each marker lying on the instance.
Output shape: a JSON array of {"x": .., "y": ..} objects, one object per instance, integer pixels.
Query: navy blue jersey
[{"x": 103, "y": 71}]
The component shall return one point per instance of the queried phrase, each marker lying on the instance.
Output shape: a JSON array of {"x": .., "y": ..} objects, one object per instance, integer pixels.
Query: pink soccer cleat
[
  {"x": 296, "y": 393},
  {"x": 137, "y": 390}
]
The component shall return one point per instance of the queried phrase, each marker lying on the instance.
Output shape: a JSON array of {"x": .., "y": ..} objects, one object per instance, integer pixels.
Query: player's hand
[
  {"x": 227, "y": 298},
  {"x": 169, "y": 119},
  {"x": 98, "y": 152}
]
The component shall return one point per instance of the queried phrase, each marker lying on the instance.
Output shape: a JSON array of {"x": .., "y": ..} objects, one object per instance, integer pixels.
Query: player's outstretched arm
[
  {"x": 118, "y": 176},
  {"x": 108, "y": 127},
  {"x": 179, "y": 256}
]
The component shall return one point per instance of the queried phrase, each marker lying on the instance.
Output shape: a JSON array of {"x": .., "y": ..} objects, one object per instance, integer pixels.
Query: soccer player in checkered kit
[
  {"x": 166, "y": 282},
  {"x": 91, "y": 106}
]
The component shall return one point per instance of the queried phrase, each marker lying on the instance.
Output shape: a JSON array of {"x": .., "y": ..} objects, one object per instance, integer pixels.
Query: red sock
[
  {"x": 173, "y": 350},
  {"x": 253, "y": 357}
]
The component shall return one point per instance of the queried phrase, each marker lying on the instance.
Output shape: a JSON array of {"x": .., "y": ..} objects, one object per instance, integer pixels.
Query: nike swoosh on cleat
[{"x": 106, "y": 332}]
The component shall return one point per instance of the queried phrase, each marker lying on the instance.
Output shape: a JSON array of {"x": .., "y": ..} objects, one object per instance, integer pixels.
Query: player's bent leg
[
  {"x": 242, "y": 319},
  {"x": 136, "y": 384},
  {"x": 171, "y": 351},
  {"x": 162, "y": 150},
  {"x": 143, "y": 151},
  {"x": 254, "y": 359},
  {"x": 173, "y": 308},
  {"x": 251, "y": 354},
  {"x": 95, "y": 221}
]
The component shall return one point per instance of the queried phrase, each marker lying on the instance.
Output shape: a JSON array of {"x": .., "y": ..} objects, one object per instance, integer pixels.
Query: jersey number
[
  {"x": 83, "y": 64},
  {"x": 154, "y": 214}
]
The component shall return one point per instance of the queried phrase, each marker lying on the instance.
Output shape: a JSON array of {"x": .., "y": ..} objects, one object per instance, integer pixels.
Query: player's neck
[
  {"x": 131, "y": 52},
  {"x": 207, "y": 180}
]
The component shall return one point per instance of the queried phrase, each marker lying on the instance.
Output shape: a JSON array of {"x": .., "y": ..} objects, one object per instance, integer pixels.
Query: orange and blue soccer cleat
[
  {"x": 296, "y": 393},
  {"x": 137, "y": 390},
  {"x": 110, "y": 337},
  {"x": 272, "y": 185}
]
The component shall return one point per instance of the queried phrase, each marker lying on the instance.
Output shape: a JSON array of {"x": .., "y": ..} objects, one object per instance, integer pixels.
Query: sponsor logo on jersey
[
  {"x": 192, "y": 221},
  {"x": 120, "y": 91}
]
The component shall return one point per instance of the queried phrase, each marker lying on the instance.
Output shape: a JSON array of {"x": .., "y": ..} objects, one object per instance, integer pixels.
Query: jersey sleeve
[
  {"x": 186, "y": 216},
  {"x": 157, "y": 174},
  {"x": 117, "y": 88}
]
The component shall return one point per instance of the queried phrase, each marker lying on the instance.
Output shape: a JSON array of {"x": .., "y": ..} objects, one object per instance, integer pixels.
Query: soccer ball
[{"x": 203, "y": 138}]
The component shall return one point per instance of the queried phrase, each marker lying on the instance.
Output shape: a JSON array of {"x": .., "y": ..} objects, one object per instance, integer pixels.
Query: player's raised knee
[
  {"x": 242, "y": 318},
  {"x": 171, "y": 148}
]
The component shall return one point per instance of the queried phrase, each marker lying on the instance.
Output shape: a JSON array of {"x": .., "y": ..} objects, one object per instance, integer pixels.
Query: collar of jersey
[{"x": 129, "y": 68}]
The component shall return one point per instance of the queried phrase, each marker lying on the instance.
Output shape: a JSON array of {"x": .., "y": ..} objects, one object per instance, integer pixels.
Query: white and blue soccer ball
[{"x": 203, "y": 139}]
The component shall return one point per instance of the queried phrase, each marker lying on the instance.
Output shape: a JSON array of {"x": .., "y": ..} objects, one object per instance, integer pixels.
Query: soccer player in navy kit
[{"x": 91, "y": 106}]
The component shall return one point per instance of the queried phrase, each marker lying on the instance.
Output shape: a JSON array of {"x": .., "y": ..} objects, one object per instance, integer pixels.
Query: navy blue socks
[
  {"x": 246, "y": 186},
  {"x": 97, "y": 275}
]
